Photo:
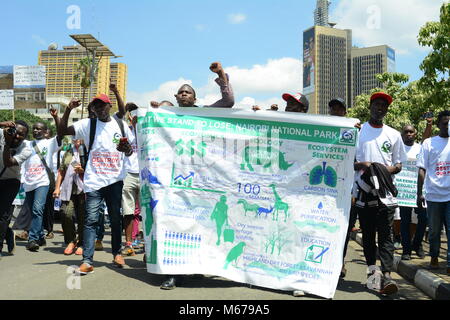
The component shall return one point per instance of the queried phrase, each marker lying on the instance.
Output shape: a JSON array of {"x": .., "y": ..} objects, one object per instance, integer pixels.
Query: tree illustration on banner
[{"x": 277, "y": 239}]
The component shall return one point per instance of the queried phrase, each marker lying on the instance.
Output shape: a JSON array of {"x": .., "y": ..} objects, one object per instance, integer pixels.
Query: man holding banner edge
[{"x": 379, "y": 144}]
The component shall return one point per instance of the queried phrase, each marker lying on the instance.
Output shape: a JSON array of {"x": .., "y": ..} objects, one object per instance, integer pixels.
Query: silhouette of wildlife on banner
[{"x": 262, "y": 201}]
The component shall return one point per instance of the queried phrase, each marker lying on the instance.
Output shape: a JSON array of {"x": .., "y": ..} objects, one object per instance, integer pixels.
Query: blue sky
[{"x": 165, "y": 43}]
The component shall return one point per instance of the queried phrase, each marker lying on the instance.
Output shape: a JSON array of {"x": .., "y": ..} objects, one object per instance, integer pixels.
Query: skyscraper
[
  {"x": 333, "y": 69},
  {"x": 326, "y": 56},
  {"x": 366, "y": 63}
]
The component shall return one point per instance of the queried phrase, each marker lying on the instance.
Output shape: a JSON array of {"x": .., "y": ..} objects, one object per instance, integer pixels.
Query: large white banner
[{"x": 260, "y": 198}]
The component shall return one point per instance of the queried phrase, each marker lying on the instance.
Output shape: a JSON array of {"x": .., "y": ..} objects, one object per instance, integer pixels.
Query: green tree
[
  {"x": 29, "y": 118},
  {"x": 84, "y": 69},
  {"x": 431, "y": 93},
  {"x": 436, "y": 65},
  {"x": 408, "y": 105}
]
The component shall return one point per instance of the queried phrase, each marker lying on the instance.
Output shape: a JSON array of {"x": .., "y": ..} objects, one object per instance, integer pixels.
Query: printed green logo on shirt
[
  {"x": 386, "y": 147},
  {"x": 44, "y": 152},
  {"x": 116, "y": 138}
]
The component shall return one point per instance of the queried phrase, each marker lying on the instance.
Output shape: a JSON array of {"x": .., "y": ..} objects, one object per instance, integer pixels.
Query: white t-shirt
[
  {"x": 383, "y": 145},
  {"x": 413, "y": 151},
  {"x": 132, "y": 162},
  {"x": 435, "y": 159},
  {"x": 106, "y": 164},
  {"x": 35, "y": 175},
  {"x": 21, "y": 154}
]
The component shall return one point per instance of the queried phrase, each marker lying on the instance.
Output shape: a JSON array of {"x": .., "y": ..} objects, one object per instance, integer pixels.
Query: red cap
[
  {"x": 102, "y": 97},
  {"x": 300, "y": 98},
  {"x": 381, "y": 95}
]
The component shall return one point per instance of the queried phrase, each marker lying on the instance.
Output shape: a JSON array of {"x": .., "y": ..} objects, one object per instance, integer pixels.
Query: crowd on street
[{"x": 89, "y": 170}]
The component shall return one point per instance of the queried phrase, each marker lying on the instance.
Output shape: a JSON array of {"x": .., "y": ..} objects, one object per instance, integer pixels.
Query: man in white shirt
[
  {"x": 412, "y": 149},
  {"x": 104, "y": 173},
  {"x": 38, "y": 178},
  {"x": 434, "y": 170},
  {"x": 379, "y": 143},
  {"x": 13, "y": 152}
]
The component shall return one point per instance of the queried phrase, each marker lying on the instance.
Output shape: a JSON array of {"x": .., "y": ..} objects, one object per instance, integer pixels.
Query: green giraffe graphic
[
  {"x": 279, "y": 205},
  {"x": 220, "y": 214},
  {"x": 249, "y": 206},
  {"x": 234, "y": 254}
]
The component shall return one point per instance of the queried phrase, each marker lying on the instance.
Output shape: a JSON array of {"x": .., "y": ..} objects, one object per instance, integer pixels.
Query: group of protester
[{"x": 101, "y": 168}]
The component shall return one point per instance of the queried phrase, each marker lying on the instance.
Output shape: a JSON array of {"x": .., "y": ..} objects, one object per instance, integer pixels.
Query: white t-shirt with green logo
[
  {"x": 435, "y": 159},
  {"x": 413, "y": 151},
  {"x": 383, "y": 145},
  {"x": 106, "y": 164},
  {"x": 34, "y": 173}
]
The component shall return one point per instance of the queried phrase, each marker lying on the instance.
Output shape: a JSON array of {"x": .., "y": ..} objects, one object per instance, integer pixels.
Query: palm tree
[{"x": 86, "y": 78}]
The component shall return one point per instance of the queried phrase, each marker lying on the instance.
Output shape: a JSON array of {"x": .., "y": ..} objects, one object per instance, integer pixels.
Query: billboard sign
[
  {"x": 309, "y": 61},
  {"x": 26, "y": 83}
]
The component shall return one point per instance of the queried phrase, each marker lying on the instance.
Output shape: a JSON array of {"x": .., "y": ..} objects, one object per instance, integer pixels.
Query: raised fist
[
  {"x": 216, "y": 67},
  {"x": 74, "y": 103},
  {"x": 113, "y": 87},
  {"x": 53, "y": 112}
]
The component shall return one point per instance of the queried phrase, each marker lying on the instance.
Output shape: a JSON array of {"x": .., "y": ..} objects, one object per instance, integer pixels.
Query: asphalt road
[{"x": 44, "y": 276}]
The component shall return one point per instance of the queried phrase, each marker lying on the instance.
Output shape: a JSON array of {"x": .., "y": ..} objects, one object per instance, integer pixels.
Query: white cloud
[
  {"x": 165, "y": 91},
  {"x": 271, "y": 80},
  {"x": 39, "y": 40},
  {"x": 395, "y": 23},
  {"x": 236, "y": 18},
  {"x": 200, "y": 27},
  {"x": 276, "y": 76}
]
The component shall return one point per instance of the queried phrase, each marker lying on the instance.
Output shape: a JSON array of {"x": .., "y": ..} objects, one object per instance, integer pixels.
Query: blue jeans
[
  {"x": 405, "y": 214},
  {"x": 101, "y": 223},
  {"x": 112, "y": 195},
  {"x": 438, "y": 212},
  {"x": 36, "y": 201}
]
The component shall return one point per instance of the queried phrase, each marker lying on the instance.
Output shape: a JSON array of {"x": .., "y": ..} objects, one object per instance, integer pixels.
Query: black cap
[{"x": 337, "y": 101}]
